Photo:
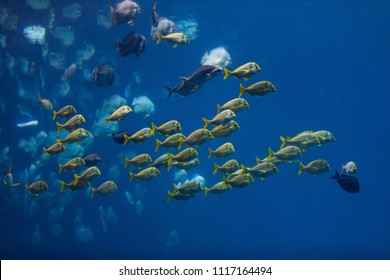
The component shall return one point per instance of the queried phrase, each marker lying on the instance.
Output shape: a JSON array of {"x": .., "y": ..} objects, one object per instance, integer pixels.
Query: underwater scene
[{"x": 194, "y": 129}]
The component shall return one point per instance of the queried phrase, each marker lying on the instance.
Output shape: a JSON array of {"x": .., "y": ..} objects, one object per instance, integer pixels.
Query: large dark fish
[
  {"x": 119, "y": 137},
  {"x": 91, "y": 159},
  {"x": 347, "y": 182},
  {"x": 103, "y": 75},
  {"x": 196, "y": 81},
  {"x": 133, "y": 43}
]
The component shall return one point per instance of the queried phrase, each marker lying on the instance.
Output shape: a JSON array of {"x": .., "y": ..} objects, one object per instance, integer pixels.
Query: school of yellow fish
[{"x": 234, "y": 174}]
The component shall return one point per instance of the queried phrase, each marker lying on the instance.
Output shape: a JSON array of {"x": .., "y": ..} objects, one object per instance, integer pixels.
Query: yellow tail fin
[
  {"x": 154, "y": 127},
  {"x": 271, "y": 154},
  {"x": 151, "y": 133},
  {"x": 63, "y": 186},
  {"x": 218, "y": 108},
  {"x": 158, "y": 145},
  {"x": 242, "y": 90},
  {"x": 206, "y": 122},
  {"x": 210, "y": 152},
  {"x": 170, "y": 159},
  {"x": 127, "y": 138},
  {"x": 132, "y": 176},
  {"x": 59, "y": 127},
  {"x": 170, "y": 195},
  {"x": 216, "y": 168},
  {"x": 301, "y": 167},
  {"x": 92, "y": 191},
  {"x": 244, "y": 169},
  {"x": 206, "y": 190},
  {"x": 126, "y": 162},
  {"x": 284, "y": 142},
  {"x": 76, "y": 179},
  {"x": 44, "y": 151},
  {"x": 159, "y": 37},
  {"x": 181, "y": 141},
  {"x": 227, "y": 73},
  {"x": 60, "y": 166},
  {"x": 54, "y": 114},
  {"x": 107, "y": 119}
]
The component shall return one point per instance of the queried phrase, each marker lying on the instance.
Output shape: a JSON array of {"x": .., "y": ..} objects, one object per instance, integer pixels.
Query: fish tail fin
[
  {"x": 242, "y": 90},
  {"x": 132, "y": 176},
  {"x": 170, "y": 91},
  {"x": 175, "y": 188},
  {"x": 158, "y": 145},
  {"x": 63, "y": 186},
  {"x": 76, "y": 179},
  {"x": 44, "y": 151},
  {"x": 210, "y": 152},
  {"x": 159, "y": 38},
  {"x": 206, "y": 122},
  {"x": 244, "y": 169},
  {"x": 60, "y": 168},
  {"x": 270, "y": 154},
  {"x": 151, "y": 133},
  {"x": 216, "y": 168},
  {"x": 170, "y": 159},
  {"x": 336, "y": 175},
  {"x": 154, "y": 127},
  {"x": 181, "y": 141},
  {"x": 205, "y": 190},
  {"x": 227, "y": 73},
  {"x": 301, "y": 167},
  {"x": 92, "y": 191},
  {"x": 127, "y": 138},
  {"x": 170, "y": 195},
  {"x": 126, "y": 162},
  {"x": 225, "y": 181},
  {"x": 54, "y": 114},
  {"x": 59, "y": 127},
  {"x": 218, "y": 108},
  {"x": 106, "y": 120},
  {"x": 284, "y": 142},
  {"x": 258, "y": 160}
]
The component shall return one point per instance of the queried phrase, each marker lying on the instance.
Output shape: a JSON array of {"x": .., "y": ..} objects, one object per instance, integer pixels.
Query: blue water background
[{"x": 330, "y": 64}]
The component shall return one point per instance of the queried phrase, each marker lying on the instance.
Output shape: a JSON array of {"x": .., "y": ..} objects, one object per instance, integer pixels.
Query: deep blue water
[{"x": 330, "y": 64}]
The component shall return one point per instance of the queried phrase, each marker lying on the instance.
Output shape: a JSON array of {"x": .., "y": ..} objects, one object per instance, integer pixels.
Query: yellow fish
[
  {"x": 315, "y": 167},
  {"x": 37, "y": 187},
  {"x": 145, "y": 175},
  {"x": 185, "y": 155},
  {"x": 89, "y": 174},
  {"x": 224, "y": 130},
  {"x": 105, "y": 188},
  {"x": 222, "y": 151},
  {"x": 71, "y": 124},
  {"x": 221, "y": 118},
  {"x": 236, "y": 105},
  {"x": 119, "y": 114},
  {"x": 174, "y": 38},
  {"x": 54, "y": 149},
  {"x": 218, "y": 188},
  {"x": 75, "y": 136},
  {"x": 168, "y": 128},
  {"x": 244, "y": 71},
  {"x": 71, "y": 164},
  {"x": 139, "y": 160},
  {"x": 258, "y": 89},
  {"x": 140, "y": 136},
  {"x": 228, "y": 167},
  {"x": 261, "y": 170},
  {"x": 64, "y": 112},
  {"x": 198, "y": 137},
  {"x": 172, "y": 141}
]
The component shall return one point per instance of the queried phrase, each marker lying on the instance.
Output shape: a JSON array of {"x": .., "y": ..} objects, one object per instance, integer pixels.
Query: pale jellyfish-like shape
[
  {"x": 72, "y": 11},
  {"x": 64, "y": 34},
  {"x": 114, "y": 173},
  {"x": 29, "y": 146},
  {"x": 100, "y": 127},
  {"x": 189, "y": 27},
  {"x": 33, "y": 208},
  {"x": 3, "y": 42},
  {"x": 139, "y": 191},
  {"x": 180, "y": 176},
  {"x": 35, "y": 34},
  {"x": 84, "y": 234},
  {"x": 113, "y": 103},
  {"x": 143, "y": 105},
  {"x": 55, "y": 214},
  {"x": 62, "y": 89},
  {"x": 139, "y": 207},
  {"x": 8, "y": 20},
  {"x": 56, "y": 60},
  {"x": 36, "y": 237},
  {"x": 103, "y": 20},
  {"x": 218, "y": 56},
  {"x": 41, "y": 138},
  {"x": 129, "y": 198},
  {"x": 172, "y": 242},
  {"x": 200, "y": 179},
  {"x": 38, "y": 4},
  {"x": 84, "y": 54}
]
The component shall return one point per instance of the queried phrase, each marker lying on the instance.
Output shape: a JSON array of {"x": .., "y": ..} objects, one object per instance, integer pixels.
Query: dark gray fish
[
  {"x": 125, "y": 11},
  {"x": 119, "y": 137},
  {"x": 160, "y": 25},
  {"x": 103, "y": 75},
  {"x": 133, "y": 43},
  {"x": 347, "y": 182},
  {"x": 196, "y": 81},
  {"x": 204, "y": 73},
  {"x": 91, "y": 159}
]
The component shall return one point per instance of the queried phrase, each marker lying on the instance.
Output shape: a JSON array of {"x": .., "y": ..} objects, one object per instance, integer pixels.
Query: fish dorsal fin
[{"x": 184, "y": 79}]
